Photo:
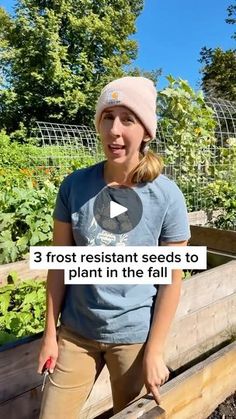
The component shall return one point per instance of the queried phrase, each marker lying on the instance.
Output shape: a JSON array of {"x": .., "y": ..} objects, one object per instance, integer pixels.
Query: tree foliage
[
  {"x": 219, "y": 67},
  {"x": 186, "y": 133},
  {"x": 152, "y": 75},
  {"x": 232, "y": 17},
  {"x": 55, "y": 55},
  {"x": 219, "y": 73}
]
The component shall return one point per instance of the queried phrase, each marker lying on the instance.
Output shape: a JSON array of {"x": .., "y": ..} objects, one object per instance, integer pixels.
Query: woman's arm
[
  {"x": 166, "y": 304},
  {"x": 62, "y": 236}
]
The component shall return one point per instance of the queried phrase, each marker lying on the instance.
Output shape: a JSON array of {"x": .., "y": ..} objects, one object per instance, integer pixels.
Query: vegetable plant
[
  {"x": 25, "y": 219},
  {"x": 22, "y": 309}
]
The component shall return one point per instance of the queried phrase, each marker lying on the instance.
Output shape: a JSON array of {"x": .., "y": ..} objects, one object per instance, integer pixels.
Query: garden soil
[{"x": 226, "y": 410}]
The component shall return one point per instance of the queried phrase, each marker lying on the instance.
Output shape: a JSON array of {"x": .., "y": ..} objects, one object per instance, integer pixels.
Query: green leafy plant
[
  {"x": 25, "y": 219},
  {"x": 22, "y": 309},
  {"x": 40, "y": 162},
  {"x": 16, "y": 155},
  {"x": 186, "y": 274},
  {"x": 188, "y": 128},
  {"x": 29, "y": 179},
  {"x": 220, "y": 194}
]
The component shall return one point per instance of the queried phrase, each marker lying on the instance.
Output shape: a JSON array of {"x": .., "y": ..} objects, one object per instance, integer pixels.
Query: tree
[
  {"x": 232, "y": 17},
  {"x": 219, "y": 67},
  {"x": 219, "y": 73},
  {"x": 152, "y": 75},
  {"x": 55, "y": 55}
]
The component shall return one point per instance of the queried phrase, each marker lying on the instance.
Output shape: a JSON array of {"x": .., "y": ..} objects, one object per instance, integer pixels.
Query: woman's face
[{"x": 121, "y": 133}]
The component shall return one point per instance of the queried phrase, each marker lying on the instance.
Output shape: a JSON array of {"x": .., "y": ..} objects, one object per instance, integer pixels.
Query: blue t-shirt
[{"x": 117, "y": 313}]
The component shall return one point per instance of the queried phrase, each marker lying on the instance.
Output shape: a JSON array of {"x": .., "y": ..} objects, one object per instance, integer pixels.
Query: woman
[{"x": 124, "y": 326}]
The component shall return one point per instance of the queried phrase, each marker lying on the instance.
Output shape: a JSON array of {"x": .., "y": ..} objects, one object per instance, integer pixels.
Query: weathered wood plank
[
  {"x": 201, "y": 217},
  {"x": 18, "y": 370},
  {"x": 215, "y": 259},
  {"x": 208, "y": 286},
  {"x": 141, "y": 412},
  {"x": 18, "y": 377},
  {"x": 24, "y": 406},
  {"x": 217, "y": 319},
  {"x": 191, "y": 336},
  {"x": 156, "y": 412},
  {"x": 195, "y": 393},
  {"x": 215, "y": 239},
  {"x": 197, "y": 217},
  {"x": 27, "y": 406},
  {"x": 211, "y": 382}
]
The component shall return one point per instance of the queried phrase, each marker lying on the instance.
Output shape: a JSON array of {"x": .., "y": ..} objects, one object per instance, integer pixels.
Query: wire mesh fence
[
  {"x": 63, "y": 144},
  {"x": 71, "y": 136},
  {"x": 225, "y": 116},
  {"x": 78, "y": 137},
  {"x": 217, "y": 160},
  {"x": 67, "y": 147}
]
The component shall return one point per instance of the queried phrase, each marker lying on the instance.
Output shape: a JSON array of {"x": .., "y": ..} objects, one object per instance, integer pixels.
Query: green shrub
[
  {"x": 188, "y": 127},
  {"x": 16, "y": 155},
  {"x": 38, "y": 160},
  {"x": 22, "y": 309},
  {"x": 29, "y": 181},
  {"x": 220, "y": 193},
  {"x": 25, "y": 219}
]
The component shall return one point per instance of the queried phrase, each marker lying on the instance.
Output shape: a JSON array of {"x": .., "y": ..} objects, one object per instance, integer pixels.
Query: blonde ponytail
[{"x": 149, "y": 167}]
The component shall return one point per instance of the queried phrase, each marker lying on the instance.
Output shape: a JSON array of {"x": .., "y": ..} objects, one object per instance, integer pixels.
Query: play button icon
[{"x": 118, "y": 209}]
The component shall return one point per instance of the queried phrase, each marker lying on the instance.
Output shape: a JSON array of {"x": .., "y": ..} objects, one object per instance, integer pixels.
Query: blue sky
[{"x": 170, "y": 35}]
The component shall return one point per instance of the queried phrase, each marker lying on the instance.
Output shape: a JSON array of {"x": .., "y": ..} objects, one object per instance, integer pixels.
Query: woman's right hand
[{"x": 49, "y": 349}]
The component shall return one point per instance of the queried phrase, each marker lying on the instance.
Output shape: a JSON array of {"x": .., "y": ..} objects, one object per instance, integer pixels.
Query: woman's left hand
[{"x": 155, "y": 372}]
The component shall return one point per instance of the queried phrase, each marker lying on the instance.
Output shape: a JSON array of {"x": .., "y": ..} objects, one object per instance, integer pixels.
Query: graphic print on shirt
[
  {"x": 104, "y": 237},
  {"x": 95, "y": 236},
  {"x": 164, "y": 217}
]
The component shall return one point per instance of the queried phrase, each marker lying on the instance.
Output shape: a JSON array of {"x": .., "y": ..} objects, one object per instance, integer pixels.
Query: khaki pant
[{"x": 79, "y": 363}]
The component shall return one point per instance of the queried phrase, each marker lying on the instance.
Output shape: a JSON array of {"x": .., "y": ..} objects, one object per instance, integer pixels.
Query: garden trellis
[
  {"x": 66, "y": 135},
  {"x": 224, "y": 114},
  {"x": 65, "y": 144},
  {"x": 214, "y": 159}
]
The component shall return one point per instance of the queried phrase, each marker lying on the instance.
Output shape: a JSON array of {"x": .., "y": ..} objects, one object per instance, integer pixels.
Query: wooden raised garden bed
[
  {"x": 205, "y": 318},
  {"x": 193, "y": 394},
  {"x": 199, "y": 351},
  {"x": 216, "y": 240}
]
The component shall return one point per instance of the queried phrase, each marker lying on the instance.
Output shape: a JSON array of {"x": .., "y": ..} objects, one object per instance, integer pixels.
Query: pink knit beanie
[{"x": 136, "y": 93}]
